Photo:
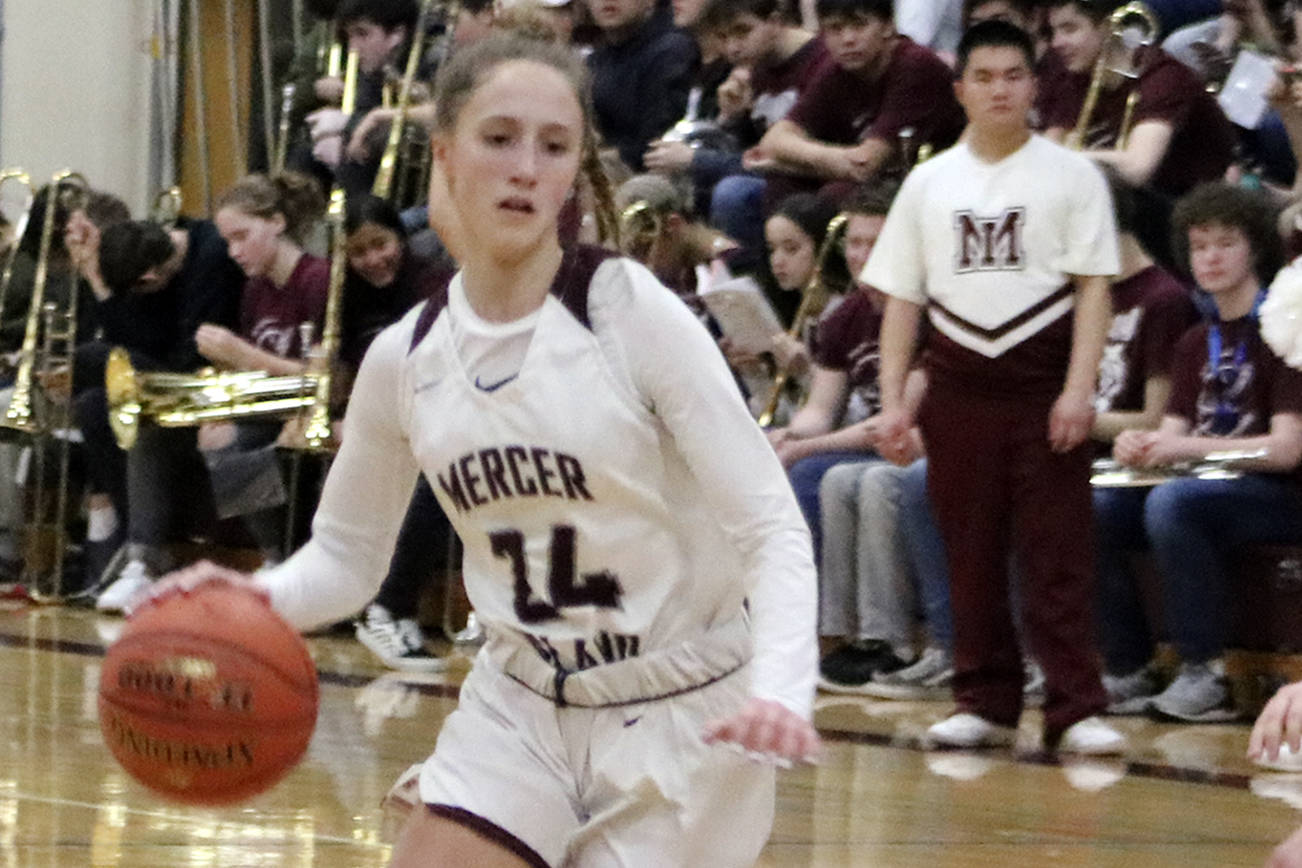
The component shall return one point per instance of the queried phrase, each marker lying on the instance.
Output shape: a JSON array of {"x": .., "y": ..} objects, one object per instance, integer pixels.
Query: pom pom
[{"x": 1281, "y": 315}]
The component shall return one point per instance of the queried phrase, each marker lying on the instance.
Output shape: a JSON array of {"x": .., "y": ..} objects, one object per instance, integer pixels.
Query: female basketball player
[{"x": 631, "y": 546}]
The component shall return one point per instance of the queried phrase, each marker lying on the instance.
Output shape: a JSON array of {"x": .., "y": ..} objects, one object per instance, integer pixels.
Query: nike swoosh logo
[
  {"x": 493, "y": 387},
  {"x": 632, "y": 721}
]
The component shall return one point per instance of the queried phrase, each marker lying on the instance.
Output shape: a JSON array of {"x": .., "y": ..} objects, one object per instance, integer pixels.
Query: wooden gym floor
[{"x": 1184, "y": 796}]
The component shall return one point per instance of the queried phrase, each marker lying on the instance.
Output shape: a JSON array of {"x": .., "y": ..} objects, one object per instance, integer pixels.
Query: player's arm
[
  {"x": 693, "y": 395},
  {"x": 1144, "y": 152},
  {"x": 1073, "y": 412},
  {"x": 362, "y": 505}
]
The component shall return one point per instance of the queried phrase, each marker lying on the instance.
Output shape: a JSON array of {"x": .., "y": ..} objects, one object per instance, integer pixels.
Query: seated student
[
  {"x": 835, "y": 424},
  {"x": 894, "y": 561},
  {"x": 76, "y": 221},
  {"x": 666, "y": 239},
  {"x": 1229, "y": 391},
  {"x": 153, "y": 288},
  {"x": 385, "y": 278},
  {"x": 384, "y": 281},
  {"x": 262, "y": 220},
  {"x": 379, "y": 31},
  {"x": 642, "y": 70},
  {"x": 1178, "y": 135},
  {"x": 773, "y": 60},
  {"x": 713, "y": 68},
  {"x": 847, "y": 124}
]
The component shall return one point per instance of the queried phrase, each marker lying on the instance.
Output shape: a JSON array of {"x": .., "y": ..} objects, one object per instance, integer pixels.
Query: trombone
[
  {"x": 383, "y": 186},
  {"x": 813, "y": 299},
  {"x": 48, "y": 327},
  {"x": 18, "y": 176},
  {"x": 167, "y": 207},
  {"x": 640, "y": 226},
  {"x": 1131, "y": 28},
  {"x": 19, "y": 414}
]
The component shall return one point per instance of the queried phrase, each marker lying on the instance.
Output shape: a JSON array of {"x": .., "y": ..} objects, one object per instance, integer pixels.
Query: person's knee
[
  {"x": 839, "y": 484},
  {"x": 1171, "y": 511}
]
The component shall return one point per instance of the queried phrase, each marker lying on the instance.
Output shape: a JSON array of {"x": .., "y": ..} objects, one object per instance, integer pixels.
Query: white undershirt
[{"x": 491, "y": 352}]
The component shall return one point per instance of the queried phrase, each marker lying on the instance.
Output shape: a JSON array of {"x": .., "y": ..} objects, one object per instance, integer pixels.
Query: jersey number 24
[{"x": 564, "y": 586}]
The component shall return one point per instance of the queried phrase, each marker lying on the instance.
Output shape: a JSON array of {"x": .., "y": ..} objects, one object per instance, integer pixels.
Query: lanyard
[{"x": 1225, "y": 418}]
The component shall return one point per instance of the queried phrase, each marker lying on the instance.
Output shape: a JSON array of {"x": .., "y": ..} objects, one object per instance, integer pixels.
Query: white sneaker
[
  {"x": 970, "y": 731},
  {"x": 386, "y": 639},
  {"x": 1092, "y": 737},
  {"x": 929, "y": 677},
  {"x": 134, "y": 580},
  {"x": 472, "y": 634}
]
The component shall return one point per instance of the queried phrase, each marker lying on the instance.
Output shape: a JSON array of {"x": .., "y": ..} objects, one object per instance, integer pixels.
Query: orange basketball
[{"x": 209, "y": 697}]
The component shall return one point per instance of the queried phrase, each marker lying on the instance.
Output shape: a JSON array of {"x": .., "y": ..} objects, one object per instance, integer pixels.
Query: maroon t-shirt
[
  {"x": 916, "y": 90},
  {"x": 1248, "y": 386},
  {"x": 270, "y": 315},
  {"x": 1150, "y": 312},
  {"x": 846, "y": 340},
  {"x": 1202, "y": 140},
  {"x": 778, "y": 87}
]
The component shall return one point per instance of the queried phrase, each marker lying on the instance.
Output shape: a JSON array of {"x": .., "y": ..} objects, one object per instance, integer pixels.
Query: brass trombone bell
[
  {"x": 172, "y": 400},
  {"x": 167, "y": 207},
  {"x": 1133, "y": 28},
  {"x": 640, "y": 225}
]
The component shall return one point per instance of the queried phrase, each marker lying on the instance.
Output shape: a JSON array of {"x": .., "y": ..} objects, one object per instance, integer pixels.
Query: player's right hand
[{"x": 184, "y": 581}]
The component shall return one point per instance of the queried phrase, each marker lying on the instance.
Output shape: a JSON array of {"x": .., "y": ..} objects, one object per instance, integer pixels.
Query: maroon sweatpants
[{"x": 997, "y": 488}]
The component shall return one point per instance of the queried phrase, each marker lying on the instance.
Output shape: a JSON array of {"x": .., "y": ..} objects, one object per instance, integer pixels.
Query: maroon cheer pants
[{"x": 998, "y": 489}]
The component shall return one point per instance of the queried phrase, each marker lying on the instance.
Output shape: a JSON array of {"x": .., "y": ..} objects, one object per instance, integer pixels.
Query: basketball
[{"x": 209, "y": 697}]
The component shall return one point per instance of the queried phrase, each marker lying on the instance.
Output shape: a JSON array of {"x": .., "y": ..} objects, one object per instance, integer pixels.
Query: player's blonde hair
[{"x": 470, "y": 67}]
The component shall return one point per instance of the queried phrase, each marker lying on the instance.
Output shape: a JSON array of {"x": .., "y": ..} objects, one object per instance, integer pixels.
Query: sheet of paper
[{"x": 743, "y": 313}]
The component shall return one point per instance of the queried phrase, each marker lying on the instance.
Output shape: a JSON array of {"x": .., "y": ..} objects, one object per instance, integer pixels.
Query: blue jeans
[
  {"x": 925, "y": 550},
  {"x": 806, "y": 475},
  {"x": 1192, "y": 526}
]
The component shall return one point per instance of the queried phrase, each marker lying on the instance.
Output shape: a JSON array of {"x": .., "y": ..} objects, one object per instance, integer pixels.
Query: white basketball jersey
[{"x": 578, "y": 516}]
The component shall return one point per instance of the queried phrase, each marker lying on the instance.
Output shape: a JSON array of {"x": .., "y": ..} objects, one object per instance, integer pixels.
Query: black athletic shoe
[{"x": 850, "y": 667}]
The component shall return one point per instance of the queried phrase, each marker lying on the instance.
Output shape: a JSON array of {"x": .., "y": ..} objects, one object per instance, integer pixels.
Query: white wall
[{"x": 75, "y": 92}]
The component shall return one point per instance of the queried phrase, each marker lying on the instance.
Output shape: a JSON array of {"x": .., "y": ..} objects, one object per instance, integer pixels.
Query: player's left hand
[
  {"x": 1288, "y": 854},
  {"x": 1070, "y": 421},
  {"x": 769, "y": 731},
  {"x": 1279, "y": 724}
]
